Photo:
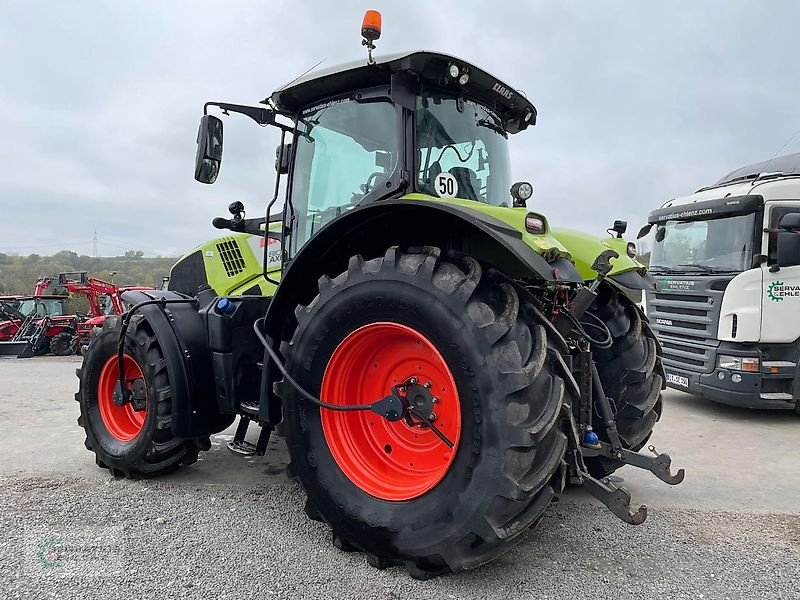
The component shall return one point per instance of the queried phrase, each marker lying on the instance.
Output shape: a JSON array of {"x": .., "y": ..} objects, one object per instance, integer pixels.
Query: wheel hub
[{"x": 420, "y": 397}]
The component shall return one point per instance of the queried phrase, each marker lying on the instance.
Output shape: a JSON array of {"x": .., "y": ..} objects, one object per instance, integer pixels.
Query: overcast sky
[{"x": 638, "y": 102}]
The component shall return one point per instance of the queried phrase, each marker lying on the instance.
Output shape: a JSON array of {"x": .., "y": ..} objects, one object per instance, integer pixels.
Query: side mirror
[
  {"x": 788, "y": 246},
  {"x": 209, "y": 149},
  {"x": 283, "y": 155}
]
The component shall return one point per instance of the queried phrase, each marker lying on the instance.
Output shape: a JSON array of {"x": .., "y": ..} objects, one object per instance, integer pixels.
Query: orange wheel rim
[
  {"x": 388, "y": 460},
  {"x": 124, "y": 422}
]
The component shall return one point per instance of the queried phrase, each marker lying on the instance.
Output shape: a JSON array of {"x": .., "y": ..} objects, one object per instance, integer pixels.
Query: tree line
[{"x": 18, "y": 274}]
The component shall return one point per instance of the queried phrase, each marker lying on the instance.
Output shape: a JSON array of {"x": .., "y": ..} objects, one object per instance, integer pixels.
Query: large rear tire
[
  {"x": 126, "y": 441},
  {"x": 631, "y": 374},
  {"x": 394, "y": 491}
]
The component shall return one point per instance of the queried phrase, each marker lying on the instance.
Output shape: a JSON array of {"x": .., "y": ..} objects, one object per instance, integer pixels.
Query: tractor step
[
  {"x": 242, "y": 447},
  {"x": 251, "y": 410}
]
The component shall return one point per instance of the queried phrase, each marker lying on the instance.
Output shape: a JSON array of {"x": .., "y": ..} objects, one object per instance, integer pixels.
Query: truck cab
[{"x": 727, "y": 263}]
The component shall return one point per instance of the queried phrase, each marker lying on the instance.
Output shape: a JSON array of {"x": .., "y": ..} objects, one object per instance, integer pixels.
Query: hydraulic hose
[
  {"x": 392, "y": 407},
  {"x": 126, "y": 320}
]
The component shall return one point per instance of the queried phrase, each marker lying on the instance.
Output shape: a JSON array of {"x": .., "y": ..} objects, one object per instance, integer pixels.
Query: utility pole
[{"x": 95, "y": 243}]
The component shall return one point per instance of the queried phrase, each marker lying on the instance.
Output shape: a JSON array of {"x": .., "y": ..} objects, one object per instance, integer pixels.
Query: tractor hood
[
  {"x": 584, "y": 248},
  {"x": 428, "y": 68}
]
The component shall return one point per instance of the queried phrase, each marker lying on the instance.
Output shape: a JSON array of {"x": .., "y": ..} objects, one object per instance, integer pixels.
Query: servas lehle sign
[{"x": 777, "y": 291}]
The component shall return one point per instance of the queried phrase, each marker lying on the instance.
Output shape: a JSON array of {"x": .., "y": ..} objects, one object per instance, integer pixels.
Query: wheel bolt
[
  {"x": 412, "y": 381},
  {"x": 432, "y": 417},
  {"x": 435, "y": 399},
  {"x": 427, "y": 384}
]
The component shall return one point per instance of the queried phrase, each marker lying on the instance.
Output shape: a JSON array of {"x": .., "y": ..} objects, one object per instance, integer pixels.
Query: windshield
[
  {"x": 43, "y": 308},
  {"x": 345, "y": 150},
  {"x": 469, "y": 144},
  {"x": 717, "y": 245}
]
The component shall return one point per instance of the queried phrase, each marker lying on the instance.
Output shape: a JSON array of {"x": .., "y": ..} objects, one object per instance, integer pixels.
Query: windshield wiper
[
  {"x": 706, "y": 269},
  {"x": 703, "y": 268},
  {"x": 662, "y": 269}
]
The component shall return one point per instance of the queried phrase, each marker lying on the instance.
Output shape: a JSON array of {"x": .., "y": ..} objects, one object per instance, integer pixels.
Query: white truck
[{"x": 727, "y": 308}]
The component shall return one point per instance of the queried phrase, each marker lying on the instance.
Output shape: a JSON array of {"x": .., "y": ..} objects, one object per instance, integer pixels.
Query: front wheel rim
[
  {"x": 124, "y": 422},
  {"x": 389, "y": 460}
]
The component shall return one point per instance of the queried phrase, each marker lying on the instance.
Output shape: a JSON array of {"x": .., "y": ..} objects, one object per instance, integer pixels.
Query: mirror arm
[
  {"x": 272, "y": 203},
  {"x": 262, "y": 116}
]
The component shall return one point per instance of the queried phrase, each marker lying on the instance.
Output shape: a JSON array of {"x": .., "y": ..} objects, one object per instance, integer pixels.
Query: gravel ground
[
  {"x": 71, "y": 531},
  {"x": 224, "y": 542}
]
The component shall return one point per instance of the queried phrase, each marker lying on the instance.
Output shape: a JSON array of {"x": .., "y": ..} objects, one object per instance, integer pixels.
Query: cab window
[{"x": 345, "y": 150}]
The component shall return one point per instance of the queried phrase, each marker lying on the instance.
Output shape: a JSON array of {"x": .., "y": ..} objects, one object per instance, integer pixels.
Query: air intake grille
[{"x": 231, "y": 256}]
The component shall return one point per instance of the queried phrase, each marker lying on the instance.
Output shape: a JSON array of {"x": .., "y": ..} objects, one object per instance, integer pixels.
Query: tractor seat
[{"x": 468, "y": 184}]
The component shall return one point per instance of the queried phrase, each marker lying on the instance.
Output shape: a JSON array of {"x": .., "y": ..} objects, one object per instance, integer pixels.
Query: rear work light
[{"x": 534, "y": 223}]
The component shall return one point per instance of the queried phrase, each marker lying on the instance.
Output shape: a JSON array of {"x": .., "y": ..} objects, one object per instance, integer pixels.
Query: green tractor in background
[{"x": 440, "y": 361}]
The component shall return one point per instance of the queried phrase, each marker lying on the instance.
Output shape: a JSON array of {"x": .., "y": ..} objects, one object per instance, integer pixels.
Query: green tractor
[{"x": 439, "y": 360}]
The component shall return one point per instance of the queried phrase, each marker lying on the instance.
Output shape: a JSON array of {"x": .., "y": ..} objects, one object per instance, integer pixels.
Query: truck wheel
[
  {"x": 631, "y": 374},
  {"x": 392, "y": 489},
  {"x": 130, "y": 441},
  {"x": 63, "y": 344}
]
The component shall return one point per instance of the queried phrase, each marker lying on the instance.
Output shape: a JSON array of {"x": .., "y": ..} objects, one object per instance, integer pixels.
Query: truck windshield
[
  {"x": 470, "y": 144},
  {"x": 716, "y": 245}
]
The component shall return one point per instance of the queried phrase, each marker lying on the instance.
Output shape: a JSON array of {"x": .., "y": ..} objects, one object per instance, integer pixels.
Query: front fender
[
  {"x": 585, "y": 248},
  {"x": 181, "y": 335}
]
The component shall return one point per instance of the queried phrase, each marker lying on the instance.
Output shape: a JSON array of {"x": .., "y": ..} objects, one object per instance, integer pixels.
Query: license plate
[{"x": 678, "y": 380}]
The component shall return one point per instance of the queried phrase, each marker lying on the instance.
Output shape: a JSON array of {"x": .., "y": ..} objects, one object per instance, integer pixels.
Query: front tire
[
  {"x": 631, "y": 374},
  {"x": 64, "y": 343},
  {"x": 448, "y": 323},
  {"x": 131, "y": 442}
]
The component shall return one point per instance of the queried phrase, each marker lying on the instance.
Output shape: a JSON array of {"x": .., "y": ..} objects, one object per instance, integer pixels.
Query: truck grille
[
  {"x": 686, "y": 321},
  {"x": 231, "y": 256}
]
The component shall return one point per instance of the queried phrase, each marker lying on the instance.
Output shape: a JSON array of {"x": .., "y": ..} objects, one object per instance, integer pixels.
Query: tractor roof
[{"x": 430, "y": 67}]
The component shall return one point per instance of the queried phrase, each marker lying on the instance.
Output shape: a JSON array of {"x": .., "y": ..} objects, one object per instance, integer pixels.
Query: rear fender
[{"x": 409, "y": 222}]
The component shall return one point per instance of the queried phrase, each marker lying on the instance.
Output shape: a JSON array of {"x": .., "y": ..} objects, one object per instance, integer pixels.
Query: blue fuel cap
[{"x": 225, "y": 307}]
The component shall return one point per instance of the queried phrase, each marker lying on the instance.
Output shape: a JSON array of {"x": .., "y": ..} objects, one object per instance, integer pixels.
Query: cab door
[{"x": 780, "y": 298}]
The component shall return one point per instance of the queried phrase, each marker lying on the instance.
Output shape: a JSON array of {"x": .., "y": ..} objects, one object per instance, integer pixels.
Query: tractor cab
[
  {"x": 422, "y": 122},
  {"x": 43, "y": 306}
]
